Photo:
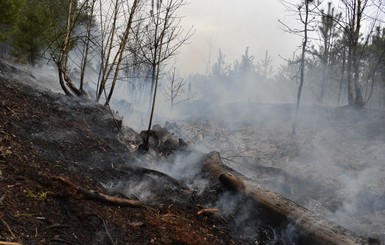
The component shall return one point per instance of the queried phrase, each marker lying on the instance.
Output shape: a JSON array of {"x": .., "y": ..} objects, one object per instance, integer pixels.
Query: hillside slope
[
  {"x": 54, "y": 149},
  {"x": 44, "y": 136}
]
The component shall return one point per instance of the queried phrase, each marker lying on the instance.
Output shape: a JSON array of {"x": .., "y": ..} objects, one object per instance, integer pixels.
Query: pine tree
[
  {"x": 328, "y": 33},
  {"x": 32, "y": 33},
  {"x": 9, "y": 10},
  {"x": 376, "y": 51}
]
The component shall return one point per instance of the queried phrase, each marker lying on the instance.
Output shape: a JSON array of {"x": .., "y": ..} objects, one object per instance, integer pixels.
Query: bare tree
[
  {"x": 173, "y": 88},
  {"x": 119, "y": 54},
  {"x": 306, "y": 21},
  {"x": 342, "y": 53},
  {"x": 160, "y": 40},
  {"x": 87, "y": 42},
  {"x": 113, "y": 43},
  {"x": 354, "y": 13},
  {"x": 70, "y": 35},
  {"x": 65, "y": 46},
  {"x": 328, "y": 33}
]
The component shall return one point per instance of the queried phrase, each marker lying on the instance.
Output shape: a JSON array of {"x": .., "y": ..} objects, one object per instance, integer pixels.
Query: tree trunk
[
  {"x": 86, "y": 49},
  {"x": 302, "y": 76},
  {"x": 342, "y": 76},
  {"x": 62, "y": 62},
  {"x": 156, "y": 71},
  {"x": 359, "y": 100},
  {"x": 350, "y": 77},
  {"x": 106, "y": 50},
  {"x": 61, "y": 80},
  {"x": 122, "y": 48}
]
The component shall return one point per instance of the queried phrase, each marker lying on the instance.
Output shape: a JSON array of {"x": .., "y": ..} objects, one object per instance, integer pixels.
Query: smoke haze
[
  {"x": 232, "y": 27},
  {"x": 333, "y": 166}
]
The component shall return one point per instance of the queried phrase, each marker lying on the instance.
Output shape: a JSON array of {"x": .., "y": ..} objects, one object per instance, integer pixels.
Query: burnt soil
[{"x": 45, "y": 135}]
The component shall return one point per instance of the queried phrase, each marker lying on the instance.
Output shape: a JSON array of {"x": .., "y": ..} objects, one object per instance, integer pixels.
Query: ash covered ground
[{"x": 334, "y": 165}]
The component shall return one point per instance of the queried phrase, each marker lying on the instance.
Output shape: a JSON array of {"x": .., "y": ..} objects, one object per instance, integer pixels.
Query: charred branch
[
  {"x": 206, "y": 211},
  {"x": 104, "y": 198}
]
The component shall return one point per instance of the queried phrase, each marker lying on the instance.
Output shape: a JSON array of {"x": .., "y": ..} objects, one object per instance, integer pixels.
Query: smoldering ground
[{"x": 333, "y": 165}]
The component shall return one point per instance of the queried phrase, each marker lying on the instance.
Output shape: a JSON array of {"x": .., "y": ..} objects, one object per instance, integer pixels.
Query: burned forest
[
  {"x": 175, "y": 122},
  {"x": 72, "y": 173}
]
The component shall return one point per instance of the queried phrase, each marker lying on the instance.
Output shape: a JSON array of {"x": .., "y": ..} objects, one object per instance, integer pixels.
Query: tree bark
[
  {"x": 86, "y": 49},
  {"x": 349, "y": 76},
  {"x": 122, "y": 48},
  {"x": 106, "y": 50},
  {"x": 302, "y": 67}
]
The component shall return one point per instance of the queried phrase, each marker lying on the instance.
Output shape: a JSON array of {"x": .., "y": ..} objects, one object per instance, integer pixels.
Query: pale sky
[{"x": 232, "y": 26}]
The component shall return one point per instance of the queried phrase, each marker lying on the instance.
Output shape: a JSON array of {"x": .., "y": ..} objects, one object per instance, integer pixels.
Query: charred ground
[{"x": 44, "y": 135}]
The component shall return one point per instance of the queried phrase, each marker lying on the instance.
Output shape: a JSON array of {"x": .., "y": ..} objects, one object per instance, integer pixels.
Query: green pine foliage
[
  {"x": 9, "y": 10},
  {"x": 41, "y": 27},
  {"x": 33, "y": 32}
]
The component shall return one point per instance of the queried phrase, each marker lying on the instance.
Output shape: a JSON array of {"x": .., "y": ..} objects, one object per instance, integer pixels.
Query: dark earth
[{"x": 44, "y": 136}]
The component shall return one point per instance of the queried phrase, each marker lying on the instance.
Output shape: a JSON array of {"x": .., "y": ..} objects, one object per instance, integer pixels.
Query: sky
[{"x": 232, "y": 26}]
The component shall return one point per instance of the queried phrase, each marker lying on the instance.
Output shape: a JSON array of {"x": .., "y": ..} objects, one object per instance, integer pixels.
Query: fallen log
[
  {"x": 315, "y": 228},
  {"x": 231, "y": 182},
  {"x": 97, "y": 196}
]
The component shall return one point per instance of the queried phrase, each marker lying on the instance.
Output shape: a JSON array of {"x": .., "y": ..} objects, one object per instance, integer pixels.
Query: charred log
[
  {"x": 231, "y": 182},
  {"x": 313, "y": 228}
]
